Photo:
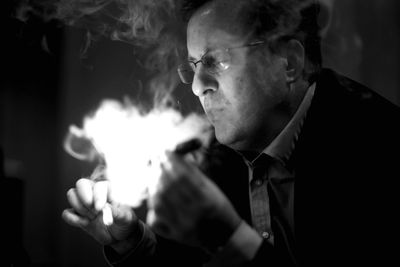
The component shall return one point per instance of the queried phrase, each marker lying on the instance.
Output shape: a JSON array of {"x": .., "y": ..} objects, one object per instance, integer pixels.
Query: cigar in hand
[{"x": 188, "y": 146}]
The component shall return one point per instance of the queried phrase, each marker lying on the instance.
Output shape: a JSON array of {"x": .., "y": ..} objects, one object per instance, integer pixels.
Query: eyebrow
[{"x": 190, "y": 58}]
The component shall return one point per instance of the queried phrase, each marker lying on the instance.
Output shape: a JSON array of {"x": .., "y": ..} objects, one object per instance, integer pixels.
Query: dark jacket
[{"x": 346, "y": 196}]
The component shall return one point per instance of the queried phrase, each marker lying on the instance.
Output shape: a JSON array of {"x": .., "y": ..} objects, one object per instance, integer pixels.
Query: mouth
[
  {"x": 210, "y": 115},
  {"x": 213, "y": 112}
]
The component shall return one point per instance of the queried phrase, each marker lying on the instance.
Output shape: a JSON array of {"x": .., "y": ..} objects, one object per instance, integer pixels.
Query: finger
[
  {"x": 84, "y": 188},
  {"x": 122, "y": 214},
  {"x": 77, "y": 205},
  {"x": 100, "y": 194},
  {"x": 156, "y": 224},
  {"x": 172, "y": 170},
  {"x": 176, "y": 191},
  {"x": 165, "y": 208},
  {"x": 74, "y": 219},
  {"x": 150, "y": 217},
  {"x": 178, "y": 196},
  {"x": 179, "y": 208},
  {"x": 163, "y": 215},
  {"x": 107, "y": 215},
  {"x": 178, "y": 168},
  {"x": 178, "y": 175}
]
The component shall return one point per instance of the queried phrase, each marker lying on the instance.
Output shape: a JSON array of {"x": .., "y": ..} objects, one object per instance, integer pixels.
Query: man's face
[{"x": 244, "y": 101}]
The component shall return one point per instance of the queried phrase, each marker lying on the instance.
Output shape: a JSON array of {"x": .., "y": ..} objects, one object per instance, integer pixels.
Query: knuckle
[
  {"x": 83, "y": 182},
  {"x": 79, "y": 182},
  {"x": 70, "y": 193}
]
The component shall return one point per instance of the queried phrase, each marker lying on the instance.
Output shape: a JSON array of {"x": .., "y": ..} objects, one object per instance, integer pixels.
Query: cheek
[
  {"x": 247, "y": 94},
  {"x": 236, "y": 97},
  {"x": 271, "y": 82}
]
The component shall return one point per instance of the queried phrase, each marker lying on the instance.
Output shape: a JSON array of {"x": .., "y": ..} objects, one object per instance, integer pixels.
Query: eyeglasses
[{"x": 214, "y": 62}]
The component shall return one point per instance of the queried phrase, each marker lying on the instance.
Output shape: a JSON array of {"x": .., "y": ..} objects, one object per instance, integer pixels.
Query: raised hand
[
  {"x": 89, "y": 200},
  {"x": 188, "y": 207}
]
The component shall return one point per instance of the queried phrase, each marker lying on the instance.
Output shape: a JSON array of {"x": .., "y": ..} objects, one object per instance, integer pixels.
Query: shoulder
[
  {"x": 344, "y": 102},
  {"x": 348, "y": 118},
  {"x": 350, "y": 94}
]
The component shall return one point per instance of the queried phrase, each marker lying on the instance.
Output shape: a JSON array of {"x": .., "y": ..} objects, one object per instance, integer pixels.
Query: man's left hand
[{"x": 188, "y": 207}]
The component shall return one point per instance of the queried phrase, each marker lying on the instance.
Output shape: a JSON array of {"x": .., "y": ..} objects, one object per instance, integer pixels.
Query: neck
[
  {"x": 296, "y": 95},
  {"x": 286, "y": 110}
]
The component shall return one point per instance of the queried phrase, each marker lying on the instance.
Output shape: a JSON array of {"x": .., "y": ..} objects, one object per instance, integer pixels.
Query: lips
[
  {"x": 213, "y": 112},
  {"x": 210, "y": 114}
]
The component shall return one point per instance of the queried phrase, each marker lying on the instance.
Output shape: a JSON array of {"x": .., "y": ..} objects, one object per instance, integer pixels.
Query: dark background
[{"x": 46, "y": 88}]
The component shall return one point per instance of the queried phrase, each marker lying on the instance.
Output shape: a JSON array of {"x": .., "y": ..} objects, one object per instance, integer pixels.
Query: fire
[{"x": 130, "y": 143}]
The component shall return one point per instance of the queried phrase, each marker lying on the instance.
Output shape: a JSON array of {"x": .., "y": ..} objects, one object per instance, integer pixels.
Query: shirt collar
[{"x": 282, "y": 146}]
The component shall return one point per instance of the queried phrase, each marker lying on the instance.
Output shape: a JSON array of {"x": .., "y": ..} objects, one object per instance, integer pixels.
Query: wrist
[
  {"x": 241, "y": 248},
  {"x": 131, "y": 242},
  {"x": 215, "y": 233}
]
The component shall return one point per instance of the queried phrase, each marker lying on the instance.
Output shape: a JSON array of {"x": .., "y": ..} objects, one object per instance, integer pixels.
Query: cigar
[{"x": 188, "y": 146}]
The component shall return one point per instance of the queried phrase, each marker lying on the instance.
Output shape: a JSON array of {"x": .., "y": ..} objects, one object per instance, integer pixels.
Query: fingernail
[{"x": 107, "y": 215}]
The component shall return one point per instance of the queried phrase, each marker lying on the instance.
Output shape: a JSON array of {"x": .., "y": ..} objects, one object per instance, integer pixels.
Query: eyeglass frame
[{"x": 201, "y": 60}]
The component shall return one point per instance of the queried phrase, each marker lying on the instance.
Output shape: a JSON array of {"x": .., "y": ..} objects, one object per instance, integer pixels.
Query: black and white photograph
[{"x": 200, "y": 133}]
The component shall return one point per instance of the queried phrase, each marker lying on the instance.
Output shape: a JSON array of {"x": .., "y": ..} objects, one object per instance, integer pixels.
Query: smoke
[
  {"x": 125, "y": 140},
  {"x": 142, "y": 22},
  {"x": 128, "y": 143},
  {"x": 155, "y": 26}
]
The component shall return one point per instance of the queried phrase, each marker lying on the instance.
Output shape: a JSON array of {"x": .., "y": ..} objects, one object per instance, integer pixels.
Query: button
[
  {"x": 265, "y": 235},
  {"x": 258, "y": 182}
]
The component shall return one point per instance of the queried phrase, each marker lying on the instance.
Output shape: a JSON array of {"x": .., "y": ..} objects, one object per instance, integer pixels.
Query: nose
[{"x": 203, "y": 82}]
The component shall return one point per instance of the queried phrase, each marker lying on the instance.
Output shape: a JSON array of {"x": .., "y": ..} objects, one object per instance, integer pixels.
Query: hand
[
  {"x": 188, "y": 207},
  {"x": 88, "y": 199}
]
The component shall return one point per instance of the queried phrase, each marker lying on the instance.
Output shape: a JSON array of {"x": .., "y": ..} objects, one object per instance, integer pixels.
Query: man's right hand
[{"x": 87, "y": 200}]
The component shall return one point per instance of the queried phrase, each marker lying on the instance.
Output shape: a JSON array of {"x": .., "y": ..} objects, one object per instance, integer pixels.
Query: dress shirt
[{"x": 243, "y": 241}]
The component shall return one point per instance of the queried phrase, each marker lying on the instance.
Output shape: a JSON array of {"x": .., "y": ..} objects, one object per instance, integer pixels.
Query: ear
[{"x": 295, "y": 57}]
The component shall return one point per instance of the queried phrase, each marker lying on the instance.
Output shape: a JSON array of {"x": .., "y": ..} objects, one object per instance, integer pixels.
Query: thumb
[
  {"x": 122, "y": 214},
  {"x": 100, "y": 195},
  {"x": 150, "y": 218},
  {"x": 108, "y": 218}
]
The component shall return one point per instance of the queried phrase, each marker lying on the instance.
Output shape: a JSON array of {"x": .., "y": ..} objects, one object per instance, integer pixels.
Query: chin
[
  {"x": 237, "y": 140},
  {"x": 228, "y": 139},
  {"x": 223, "y": 136}
]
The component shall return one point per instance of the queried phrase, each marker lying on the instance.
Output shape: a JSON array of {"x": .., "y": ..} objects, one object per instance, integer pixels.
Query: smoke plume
[{"x": 152, "y": 25}]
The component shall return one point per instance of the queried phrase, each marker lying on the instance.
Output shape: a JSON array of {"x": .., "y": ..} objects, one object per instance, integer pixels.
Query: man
[{"x": 310, "y": 181}]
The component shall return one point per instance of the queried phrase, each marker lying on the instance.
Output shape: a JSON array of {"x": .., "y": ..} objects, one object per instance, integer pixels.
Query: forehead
[{"x": 210, "y": 28}]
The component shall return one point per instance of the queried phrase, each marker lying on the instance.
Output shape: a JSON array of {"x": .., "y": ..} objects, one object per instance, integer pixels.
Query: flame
[{"x": 131, "y": 143}]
